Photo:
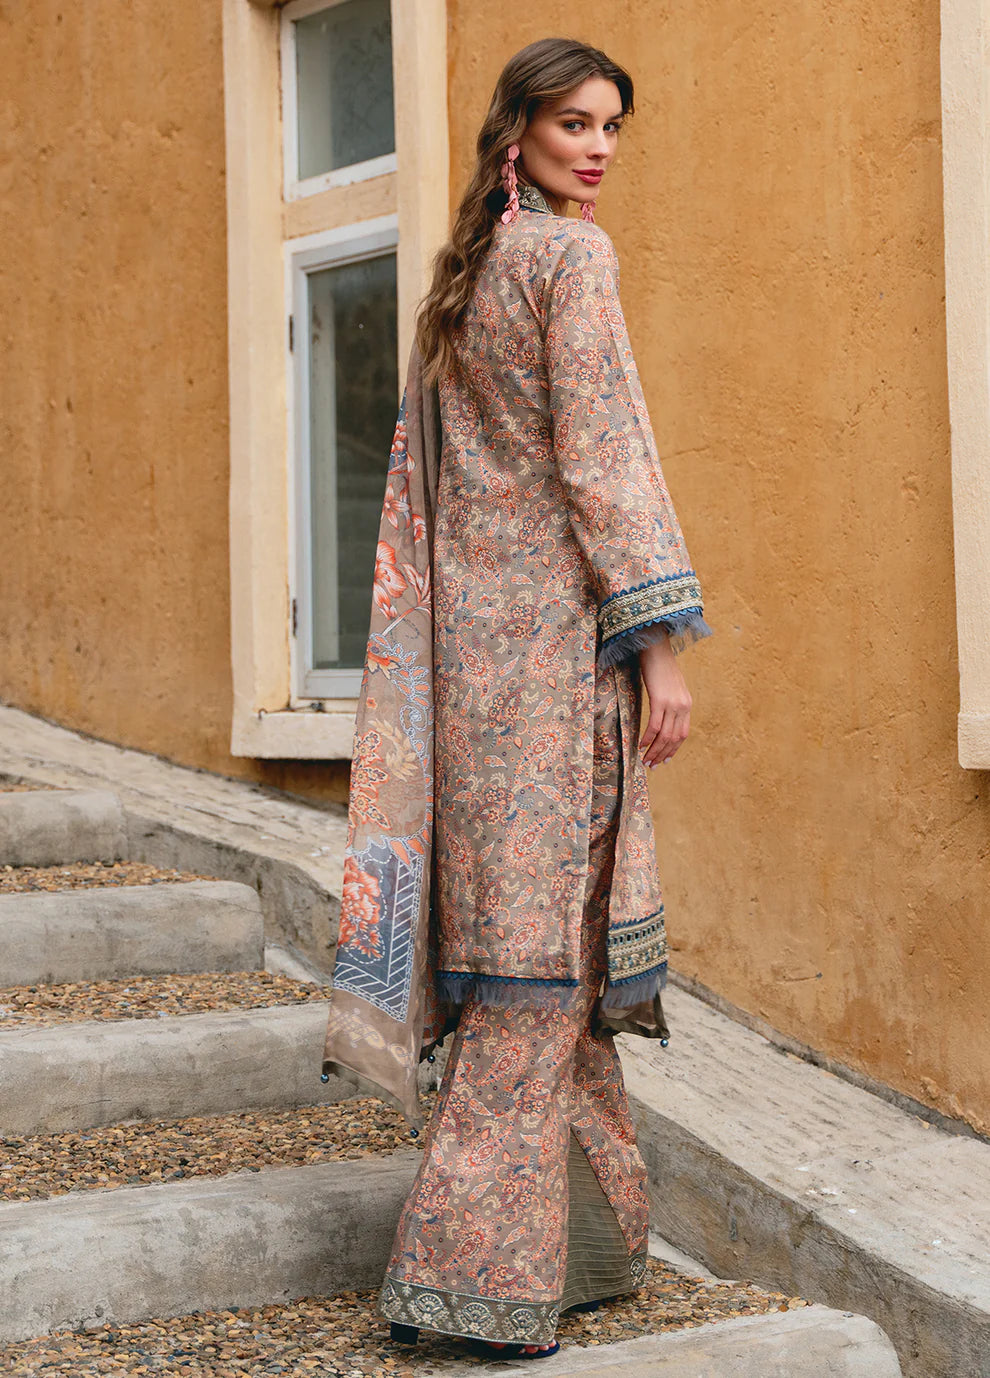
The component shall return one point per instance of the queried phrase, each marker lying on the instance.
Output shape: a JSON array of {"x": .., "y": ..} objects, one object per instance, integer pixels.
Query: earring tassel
[
  {"x": 510, "y": 184},
  {"x": 588, "y": 211}
]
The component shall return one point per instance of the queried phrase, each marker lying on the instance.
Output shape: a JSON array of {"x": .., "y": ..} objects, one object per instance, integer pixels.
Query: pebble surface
[
  {"x": 138, "y": 1152},
  {"x": 150, "y": 997},
  {"x": 344, "y": 1337},
  {"x": 84, "y": 875}
]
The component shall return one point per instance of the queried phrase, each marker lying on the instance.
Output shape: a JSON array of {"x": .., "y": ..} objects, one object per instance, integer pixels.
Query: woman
[{"x": 500, "y": 876}]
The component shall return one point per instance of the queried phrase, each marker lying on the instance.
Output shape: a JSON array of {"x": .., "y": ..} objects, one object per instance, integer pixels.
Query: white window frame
[
  {"x": 296, "y": 187},
  {"x": 310, "y": 253},
  {"x": 965, "y": 76},
  {"x": 264, "y": 722}
]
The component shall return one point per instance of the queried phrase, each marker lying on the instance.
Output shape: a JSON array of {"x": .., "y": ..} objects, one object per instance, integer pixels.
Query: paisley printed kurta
[
  {"x": 556, "y": 549},
  {"x": 528, "y": 547}
]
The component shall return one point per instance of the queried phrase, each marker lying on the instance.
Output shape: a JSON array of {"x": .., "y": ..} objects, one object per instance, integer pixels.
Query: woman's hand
[{"x": 670, "y": 703}]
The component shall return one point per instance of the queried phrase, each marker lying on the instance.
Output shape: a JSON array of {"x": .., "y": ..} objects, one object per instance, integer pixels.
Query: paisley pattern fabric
[
  {"x": 555, "y": 540},
  {"x": 527, "y": 549},
  {"x": 482, "y": 1246}
]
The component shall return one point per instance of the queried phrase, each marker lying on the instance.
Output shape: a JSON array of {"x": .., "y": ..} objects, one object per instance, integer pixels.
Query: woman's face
[{"x": 572, "y": 135}]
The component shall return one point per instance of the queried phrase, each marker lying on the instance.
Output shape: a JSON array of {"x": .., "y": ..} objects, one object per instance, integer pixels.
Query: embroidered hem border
[
  {"x": 637, "y": 948},
  {"x": 480, "y": 1318},
  {"x": 631, "y": 608}
]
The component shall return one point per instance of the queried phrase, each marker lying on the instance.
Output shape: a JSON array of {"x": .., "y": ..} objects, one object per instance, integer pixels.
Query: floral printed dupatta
[{"x": 382, "y": 1007}]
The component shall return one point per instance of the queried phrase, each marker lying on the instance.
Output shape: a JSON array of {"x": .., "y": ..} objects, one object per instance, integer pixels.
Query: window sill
[
  {"x": 974, "y": 741},
  {"x": 301, "y": 735}
]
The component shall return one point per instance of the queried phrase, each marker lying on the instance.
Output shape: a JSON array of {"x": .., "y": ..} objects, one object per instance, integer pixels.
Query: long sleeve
[{"x": 607, "y": 462}]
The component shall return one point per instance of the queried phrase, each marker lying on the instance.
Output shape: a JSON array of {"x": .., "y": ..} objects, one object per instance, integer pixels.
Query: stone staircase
[
  {"x": 84, "y": 1258},
  {"x": 87, "y": 1257}
]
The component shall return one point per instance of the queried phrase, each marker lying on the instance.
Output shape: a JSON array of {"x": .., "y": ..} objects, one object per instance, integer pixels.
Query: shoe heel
[{"x": 405, "y": 1334}]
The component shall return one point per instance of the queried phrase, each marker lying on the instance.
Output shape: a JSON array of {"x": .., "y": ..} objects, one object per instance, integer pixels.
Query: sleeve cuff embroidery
[
  {"x": 630, "y": 619},
  {"x": 631, "y": 608}
]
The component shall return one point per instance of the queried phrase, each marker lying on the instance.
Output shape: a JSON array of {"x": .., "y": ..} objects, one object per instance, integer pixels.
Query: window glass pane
[
  {"x": 353, "y": 390},
  {"x": 344, "y": 84}
]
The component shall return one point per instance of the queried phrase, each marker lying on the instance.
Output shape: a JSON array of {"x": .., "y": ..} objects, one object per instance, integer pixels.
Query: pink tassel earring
[
  {"x": 588, "y": 211},
  {"x": 510, "y": 184}
]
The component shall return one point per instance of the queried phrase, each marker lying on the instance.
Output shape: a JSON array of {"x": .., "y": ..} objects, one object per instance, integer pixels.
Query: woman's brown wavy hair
[{"x": 539, "y": 73}]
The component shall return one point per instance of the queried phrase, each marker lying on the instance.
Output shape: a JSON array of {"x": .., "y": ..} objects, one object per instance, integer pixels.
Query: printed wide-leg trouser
[{"x": 532, "y": 1195}]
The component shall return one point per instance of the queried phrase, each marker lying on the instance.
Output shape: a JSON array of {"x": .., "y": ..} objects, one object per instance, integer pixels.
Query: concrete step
[
  {"x": 815, "y": 1342},
  {"x": 130, "y": 930},
  {"x": 291, "y": 852},
  {"x": 91, "y": 1258},
  {"x": 286, "y": 961},
  {"x": 52, "y": 827},
  {"x": 769, "y": 1168},
  {"x": 78, "y": 1075},
  {"x": 251, "y": 1238}
]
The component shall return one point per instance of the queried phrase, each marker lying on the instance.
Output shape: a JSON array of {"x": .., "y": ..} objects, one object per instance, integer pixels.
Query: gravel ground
[
  {"x": 83, "y": 875},
  {"x": 142, "y": 1151},
  {"x": 150, "y": 997},
  {"x": 344, "y": 1337}
]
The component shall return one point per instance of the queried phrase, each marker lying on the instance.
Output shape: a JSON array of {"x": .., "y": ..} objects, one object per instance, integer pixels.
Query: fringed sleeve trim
[
  {"x": 623, "y": 995},
  {"x": 632, "y": 618},
  {"x": 681, "y": 628}
]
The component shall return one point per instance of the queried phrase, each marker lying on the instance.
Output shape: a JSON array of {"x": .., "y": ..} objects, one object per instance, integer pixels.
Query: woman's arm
[{"x": 606, "y": 458}]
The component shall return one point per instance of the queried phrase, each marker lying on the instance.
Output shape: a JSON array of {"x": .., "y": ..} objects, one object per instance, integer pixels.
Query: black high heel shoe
[
  {"x": 512, "y": 1351},
  {"x": 404, "y": 1334}
]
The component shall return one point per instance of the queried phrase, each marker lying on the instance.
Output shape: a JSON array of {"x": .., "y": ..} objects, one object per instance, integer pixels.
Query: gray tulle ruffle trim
[
  {"x": 456, "y": 988},
  {"x": 630, "y": 993},
  {"x": 683, "y": 629}
]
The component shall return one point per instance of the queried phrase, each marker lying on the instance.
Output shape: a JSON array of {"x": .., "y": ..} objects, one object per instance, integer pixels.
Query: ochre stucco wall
[
  {"x": 114, "y": 606},
  {"x": 777, "y": 214}
]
